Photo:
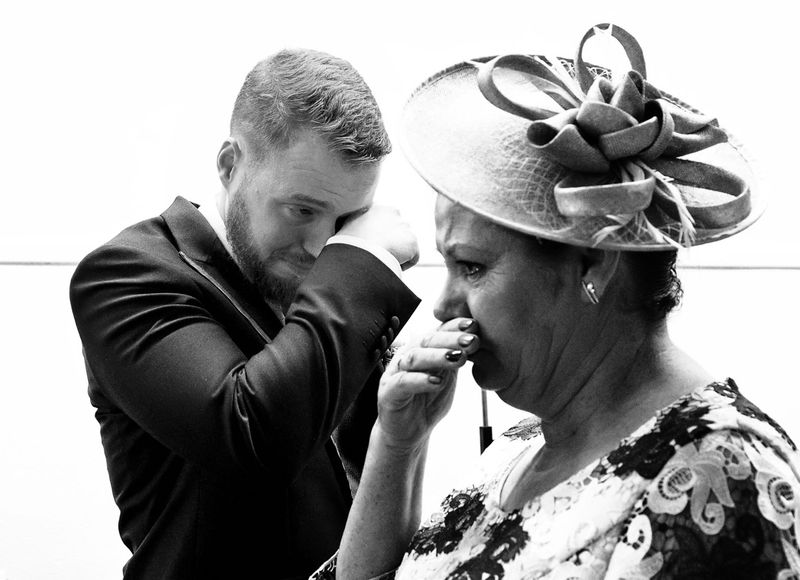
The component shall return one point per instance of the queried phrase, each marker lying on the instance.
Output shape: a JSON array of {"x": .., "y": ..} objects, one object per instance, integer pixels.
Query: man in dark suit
[{"x": 233, "y": 350}]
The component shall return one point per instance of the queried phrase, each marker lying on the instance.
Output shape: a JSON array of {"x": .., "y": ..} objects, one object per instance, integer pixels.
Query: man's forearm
[{"x": 145, "y": 326}]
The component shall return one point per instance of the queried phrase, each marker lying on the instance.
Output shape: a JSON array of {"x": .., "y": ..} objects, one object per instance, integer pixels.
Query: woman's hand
[
  {"x": 415, "y": 393},
  {"x": 417, "y": 389}
]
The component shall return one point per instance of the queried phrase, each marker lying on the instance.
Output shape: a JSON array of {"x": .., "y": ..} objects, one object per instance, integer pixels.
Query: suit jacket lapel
[{"x": 203, "y": 251}]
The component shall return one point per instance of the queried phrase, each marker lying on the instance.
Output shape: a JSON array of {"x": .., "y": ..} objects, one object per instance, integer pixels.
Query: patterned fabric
[{"x": 708, "y": 488}]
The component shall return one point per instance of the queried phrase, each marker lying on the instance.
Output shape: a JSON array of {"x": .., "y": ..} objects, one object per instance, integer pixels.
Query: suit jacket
[{"x": 215, "y": 418}]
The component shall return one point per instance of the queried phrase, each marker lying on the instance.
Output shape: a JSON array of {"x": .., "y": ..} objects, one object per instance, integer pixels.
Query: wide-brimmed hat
[{"x": 553, "y": 148}]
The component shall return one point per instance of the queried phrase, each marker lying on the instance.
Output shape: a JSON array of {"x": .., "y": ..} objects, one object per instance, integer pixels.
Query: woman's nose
[{"x": 450, "y": 304}]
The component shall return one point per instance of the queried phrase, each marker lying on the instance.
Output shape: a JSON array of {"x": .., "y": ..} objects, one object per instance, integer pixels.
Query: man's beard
[{"x": 273, "y": 288}]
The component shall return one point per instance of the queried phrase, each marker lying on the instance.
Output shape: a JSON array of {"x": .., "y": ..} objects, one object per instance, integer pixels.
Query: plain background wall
[
  {"x": 108, "y": 111},
  {"x": 111, "y": 109}
]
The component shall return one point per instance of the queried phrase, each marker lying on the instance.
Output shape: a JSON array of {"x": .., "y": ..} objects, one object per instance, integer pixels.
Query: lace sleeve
[{"x": 723, "y": 507}]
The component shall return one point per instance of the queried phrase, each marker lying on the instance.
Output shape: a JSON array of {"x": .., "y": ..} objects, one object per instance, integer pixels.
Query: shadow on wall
[{"x": 57, "y": 513}]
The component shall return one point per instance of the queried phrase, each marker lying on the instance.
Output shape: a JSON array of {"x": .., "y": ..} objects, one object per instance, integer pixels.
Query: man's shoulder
[
  {"x": 151, "y": 237},
  {"x": 146, "y": 239},
  {"x": 149, "y": 244}
]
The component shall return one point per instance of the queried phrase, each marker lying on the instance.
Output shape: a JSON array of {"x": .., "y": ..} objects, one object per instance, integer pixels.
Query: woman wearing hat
[{"x": 563, "y": 198}]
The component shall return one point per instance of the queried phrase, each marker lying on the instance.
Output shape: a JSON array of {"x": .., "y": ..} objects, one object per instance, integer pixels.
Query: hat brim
[{"x": 479, "y": 156}]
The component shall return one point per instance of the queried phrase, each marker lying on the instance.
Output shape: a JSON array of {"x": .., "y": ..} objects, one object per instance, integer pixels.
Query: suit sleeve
[
  {"x": 352, "y": 435},
  {"x": 168, "y": 364}
]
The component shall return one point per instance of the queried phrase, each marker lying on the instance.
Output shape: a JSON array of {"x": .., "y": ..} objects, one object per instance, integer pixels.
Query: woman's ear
[
  {"x": 229, "y": 156},
  {"x": 599, "y": 267}
]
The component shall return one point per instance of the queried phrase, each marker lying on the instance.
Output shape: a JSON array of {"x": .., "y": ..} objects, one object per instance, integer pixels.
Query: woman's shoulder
[
  {"x": 722, "y": 478},
  {"x": 723, "y": 505},
  {"x": 715, "y": 408},
  {"x": 726, "y": 400}
]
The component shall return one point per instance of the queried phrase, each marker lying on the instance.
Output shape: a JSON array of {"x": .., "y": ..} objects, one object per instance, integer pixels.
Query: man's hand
[{"x": 384, "y": 226}]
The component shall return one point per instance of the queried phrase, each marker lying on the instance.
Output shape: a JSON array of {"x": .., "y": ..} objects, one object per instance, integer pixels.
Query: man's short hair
[{"x": 299, "y": 89}]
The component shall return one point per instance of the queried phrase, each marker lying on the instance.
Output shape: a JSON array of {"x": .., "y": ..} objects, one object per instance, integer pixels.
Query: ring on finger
[{"x": 402, "y": 362}]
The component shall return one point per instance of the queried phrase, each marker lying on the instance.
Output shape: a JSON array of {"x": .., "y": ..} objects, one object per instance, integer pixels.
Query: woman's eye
[{"x": 470, "y": 269}]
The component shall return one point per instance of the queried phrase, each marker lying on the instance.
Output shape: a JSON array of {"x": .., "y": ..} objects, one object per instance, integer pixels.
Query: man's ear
[
  {"x": 599, "y": 267},
  {"x": 228, "y": 158}
]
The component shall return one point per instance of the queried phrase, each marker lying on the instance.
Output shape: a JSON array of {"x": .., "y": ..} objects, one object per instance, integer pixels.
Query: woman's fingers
[
  {"x": 431, "y": 360},
  {"x": 451, "y": 340},
  {"x": 412, "y": 383},
  {"x": 460, "y": 325},
  {"x": 418, "y": 386},
  {"x": 457, "y": 333},
  {"x": 418, "y": 371}
]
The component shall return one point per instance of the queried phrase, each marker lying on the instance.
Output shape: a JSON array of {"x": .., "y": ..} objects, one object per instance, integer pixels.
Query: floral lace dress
[{"x": 708, "y": 488}]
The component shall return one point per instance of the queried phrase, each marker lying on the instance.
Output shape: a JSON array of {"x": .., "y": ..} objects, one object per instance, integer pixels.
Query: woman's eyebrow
[{"x": 457, "y": 247}]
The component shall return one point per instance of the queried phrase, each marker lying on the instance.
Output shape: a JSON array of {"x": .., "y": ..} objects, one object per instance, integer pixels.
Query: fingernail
[
  {"x": 465, "y": 324},
  {"x": 435, "y": 379},
  {"x": 453, "y": 355},
  {"x": 466, "y": 340}
]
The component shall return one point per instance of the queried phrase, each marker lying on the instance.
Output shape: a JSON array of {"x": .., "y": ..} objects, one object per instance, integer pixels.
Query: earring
[{"x": 589, "y": 290}]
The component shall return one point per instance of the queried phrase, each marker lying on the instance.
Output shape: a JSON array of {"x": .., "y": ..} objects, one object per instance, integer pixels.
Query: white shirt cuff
[{"x": 379, "y": 252}]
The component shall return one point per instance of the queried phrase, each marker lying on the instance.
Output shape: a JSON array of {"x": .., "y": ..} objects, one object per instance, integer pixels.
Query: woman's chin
[{"x": 483, "y": 378}]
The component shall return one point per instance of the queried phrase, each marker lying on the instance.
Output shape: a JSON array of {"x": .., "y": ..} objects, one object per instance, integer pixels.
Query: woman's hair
[{"x": 657, "y": 288}]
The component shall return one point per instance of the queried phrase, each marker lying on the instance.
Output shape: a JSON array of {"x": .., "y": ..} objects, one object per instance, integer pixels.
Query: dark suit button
[{"x": 394, "y": 323}]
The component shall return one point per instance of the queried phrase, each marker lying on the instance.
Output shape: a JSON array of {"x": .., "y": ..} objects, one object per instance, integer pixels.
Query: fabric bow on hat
[{"x": 622, "y": 143}]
